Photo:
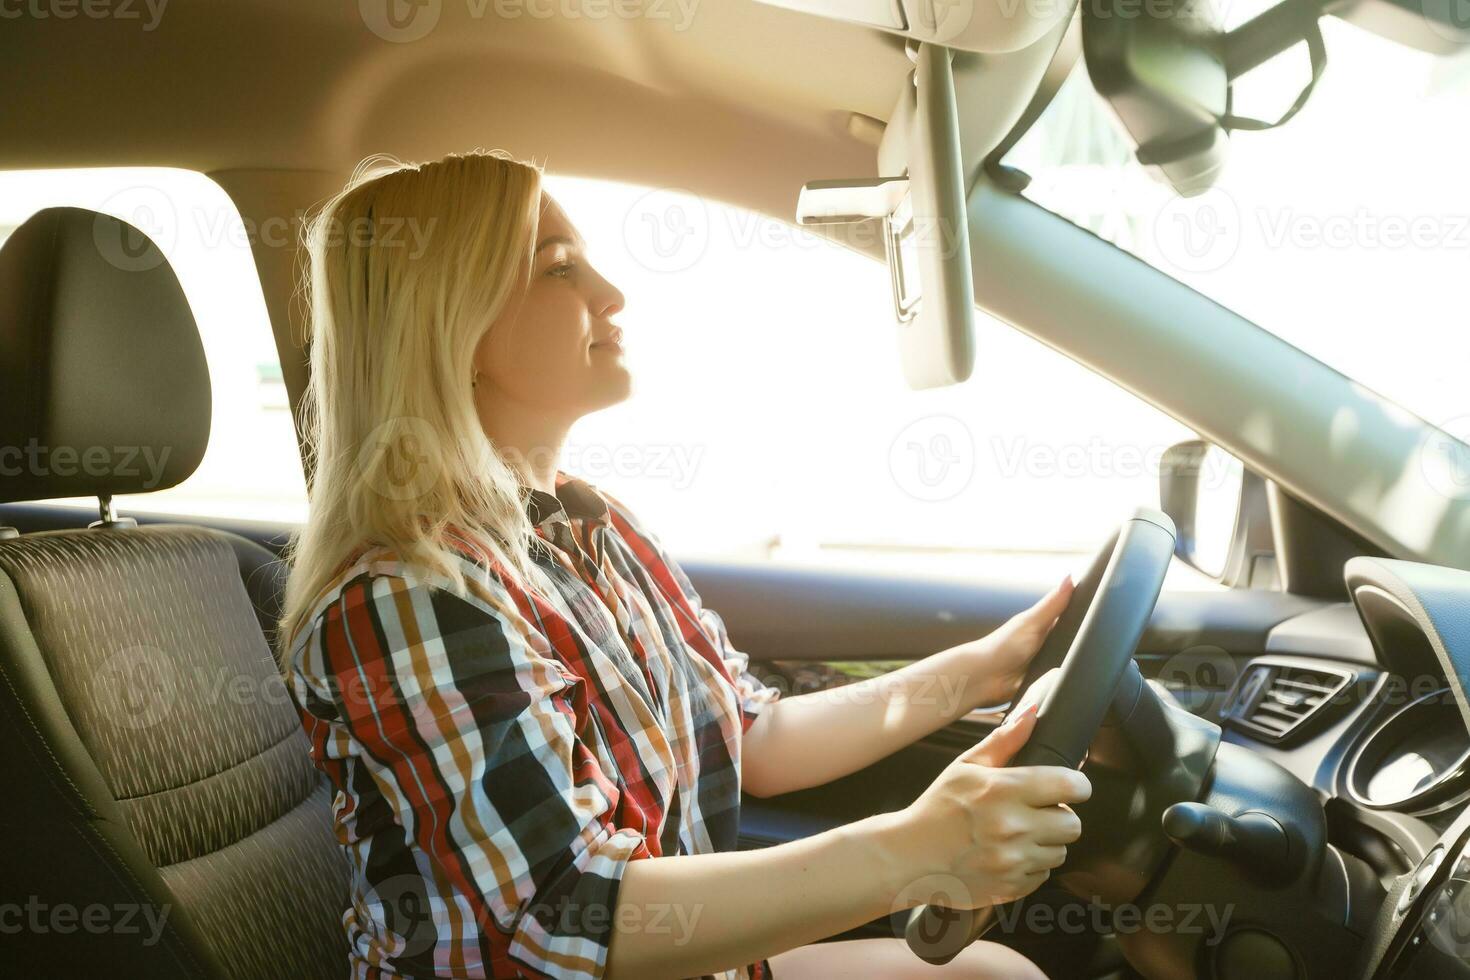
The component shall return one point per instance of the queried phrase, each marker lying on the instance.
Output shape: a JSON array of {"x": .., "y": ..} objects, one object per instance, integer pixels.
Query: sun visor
[{"x": 925, "y": 225}]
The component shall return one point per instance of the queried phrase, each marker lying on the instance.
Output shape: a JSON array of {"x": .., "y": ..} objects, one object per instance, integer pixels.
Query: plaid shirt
[{"x": 500, "y": 757}]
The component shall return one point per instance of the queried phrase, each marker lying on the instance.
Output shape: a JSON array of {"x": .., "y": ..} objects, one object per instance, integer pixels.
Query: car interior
[{"x": 1280, "y": 762}]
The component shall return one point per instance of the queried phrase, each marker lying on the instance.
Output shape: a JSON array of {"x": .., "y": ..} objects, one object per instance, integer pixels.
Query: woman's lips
[{"x": 614, "y": 342}]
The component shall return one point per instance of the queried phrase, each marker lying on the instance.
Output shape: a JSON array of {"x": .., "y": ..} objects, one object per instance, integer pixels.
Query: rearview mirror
[{"x": 1168, "y": 76}]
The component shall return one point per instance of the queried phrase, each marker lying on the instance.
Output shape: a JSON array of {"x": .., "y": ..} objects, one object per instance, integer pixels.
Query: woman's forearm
[
  {"x": 814, "y": 738},
  {"x": 689, "y": 916}
]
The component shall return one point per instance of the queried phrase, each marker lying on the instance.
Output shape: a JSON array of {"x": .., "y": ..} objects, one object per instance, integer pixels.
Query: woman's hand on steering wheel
[
  {"x": 999, "y": 659},
  {"x": 988, "y": 833}
]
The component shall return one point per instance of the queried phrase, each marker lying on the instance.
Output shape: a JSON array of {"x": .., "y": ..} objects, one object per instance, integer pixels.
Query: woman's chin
[{"x": 613, "y": 384}]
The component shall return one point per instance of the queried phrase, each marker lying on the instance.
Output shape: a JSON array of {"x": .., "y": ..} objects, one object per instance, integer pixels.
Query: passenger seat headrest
[{"x": 104, "y": 388}]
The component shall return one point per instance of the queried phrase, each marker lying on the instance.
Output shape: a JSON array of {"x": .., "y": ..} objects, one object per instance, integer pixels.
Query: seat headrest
[{"x": 104, "y": 388}]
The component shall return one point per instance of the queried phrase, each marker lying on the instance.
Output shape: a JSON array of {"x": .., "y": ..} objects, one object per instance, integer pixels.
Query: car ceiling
[{"x": 744, "y": 103}]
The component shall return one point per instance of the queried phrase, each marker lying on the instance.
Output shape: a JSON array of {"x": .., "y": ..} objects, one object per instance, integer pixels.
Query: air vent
[{"x": 1277, "y": 700}]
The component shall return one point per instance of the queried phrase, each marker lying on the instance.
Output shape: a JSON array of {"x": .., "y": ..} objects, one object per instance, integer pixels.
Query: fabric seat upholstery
[{"x": 157, "y": 769}]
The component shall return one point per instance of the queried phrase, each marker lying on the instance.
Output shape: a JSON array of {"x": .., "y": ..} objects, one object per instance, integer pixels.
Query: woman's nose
[{"x": 607, "y": 300}]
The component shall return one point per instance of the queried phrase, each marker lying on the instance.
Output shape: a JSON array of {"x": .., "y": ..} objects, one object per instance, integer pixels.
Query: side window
[
  {"x": 252, "y": 467},
  {"x": 770, "y": 419}
]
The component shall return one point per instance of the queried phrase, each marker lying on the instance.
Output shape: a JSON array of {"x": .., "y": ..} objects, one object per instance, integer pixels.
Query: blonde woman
[{"x": 537, "y": 734}]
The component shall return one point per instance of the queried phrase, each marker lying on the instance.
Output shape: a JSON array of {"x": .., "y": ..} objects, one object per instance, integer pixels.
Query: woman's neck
[{"x": 528, "y": 440}]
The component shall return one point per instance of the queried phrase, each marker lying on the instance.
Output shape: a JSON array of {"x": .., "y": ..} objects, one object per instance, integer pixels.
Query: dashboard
[{"x": 1366, "y": 703}]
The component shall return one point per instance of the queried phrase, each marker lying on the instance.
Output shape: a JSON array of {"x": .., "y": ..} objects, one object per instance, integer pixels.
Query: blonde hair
[{"x": 409, "y": 265}]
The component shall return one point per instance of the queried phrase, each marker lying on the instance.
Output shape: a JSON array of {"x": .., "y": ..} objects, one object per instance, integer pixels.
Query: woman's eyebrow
[{"x": 556, "y": 240}]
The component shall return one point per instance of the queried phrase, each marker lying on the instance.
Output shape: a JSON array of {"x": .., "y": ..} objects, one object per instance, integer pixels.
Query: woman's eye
[{"x": 561, "y": 270}]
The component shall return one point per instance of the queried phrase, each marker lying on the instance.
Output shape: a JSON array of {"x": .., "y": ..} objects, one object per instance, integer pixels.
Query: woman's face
[{"x": 555, "y": 350}]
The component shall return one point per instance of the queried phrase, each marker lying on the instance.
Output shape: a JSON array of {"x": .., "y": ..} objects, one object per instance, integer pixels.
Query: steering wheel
[{"x": 1092, "y": 643}]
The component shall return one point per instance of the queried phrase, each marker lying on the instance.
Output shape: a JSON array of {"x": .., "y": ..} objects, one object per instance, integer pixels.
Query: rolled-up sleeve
[
  {"x": 754, "y": 694},
  {"x": 456, "y": 709}
]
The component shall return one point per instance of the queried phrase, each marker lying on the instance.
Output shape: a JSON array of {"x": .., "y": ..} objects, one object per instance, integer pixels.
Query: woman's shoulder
[
  {"x": 378, "y": 580},
  {"x": 390, "y": 629}
]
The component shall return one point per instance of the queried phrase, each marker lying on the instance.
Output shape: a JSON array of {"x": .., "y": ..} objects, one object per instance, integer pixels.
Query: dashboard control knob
[{"x": 1252, "y": 840}]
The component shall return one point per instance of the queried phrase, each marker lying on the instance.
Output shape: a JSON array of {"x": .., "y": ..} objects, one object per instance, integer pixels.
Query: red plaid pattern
[{"x": 500, "y": 756}]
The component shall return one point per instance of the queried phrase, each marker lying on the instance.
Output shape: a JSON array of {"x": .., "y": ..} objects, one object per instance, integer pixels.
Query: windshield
[{"x": 1346, "y": 232}]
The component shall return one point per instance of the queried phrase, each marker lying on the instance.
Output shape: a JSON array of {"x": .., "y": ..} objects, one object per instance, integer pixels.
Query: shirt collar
[{"x": 574, "y": 500}]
